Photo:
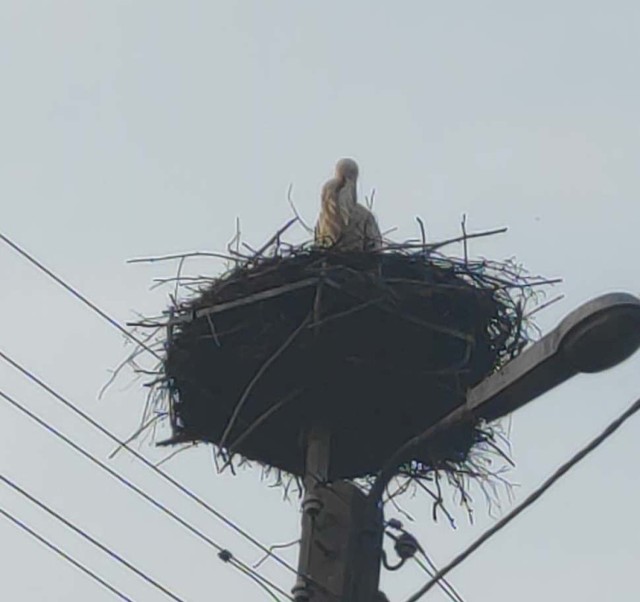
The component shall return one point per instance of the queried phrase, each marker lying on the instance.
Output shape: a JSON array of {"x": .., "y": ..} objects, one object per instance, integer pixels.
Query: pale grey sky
[{"x": 133, "y": 128}]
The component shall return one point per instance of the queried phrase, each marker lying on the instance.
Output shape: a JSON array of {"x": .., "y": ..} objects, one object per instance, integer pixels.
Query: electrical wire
[
  {"x": 430, "y": 570},
  {"x": 113, "y": 322},
  {"x": 66, "y": 556},
  {"x": 114, "y": 555},
  {"x": 224, "y": 554},
  {"x": 530, "y": 499},
  {"x": 175, "y": 483},
  {"x": 77, "y": 294},
  {"x": 260, "y": 584},
  {"x": 444, "y": 585}
]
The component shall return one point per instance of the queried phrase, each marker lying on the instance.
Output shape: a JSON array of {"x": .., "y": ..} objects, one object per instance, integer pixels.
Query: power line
[
  {"x": 223, "y": 553},
  {"x": 113, "y": 322},
  {"x": 114, "y": 555},
  {"x": 95, "y": 424},
  {"x": 76, "y": 294},
  {"x": 444, "y": 585},
  {"x": 260, "y": 584},
  {"x": 404, "y": 541},
  {"x": 534, "y": 496},
  {"x": 66, "y": 556}
]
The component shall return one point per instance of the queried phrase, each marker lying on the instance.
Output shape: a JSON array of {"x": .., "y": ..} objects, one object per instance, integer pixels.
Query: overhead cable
[
  {"x": 70, "y": 525},
  {"x": 224, "y": 554},
  {"x": 530, "y": 499},
  {"x": 66, "y": 556}
]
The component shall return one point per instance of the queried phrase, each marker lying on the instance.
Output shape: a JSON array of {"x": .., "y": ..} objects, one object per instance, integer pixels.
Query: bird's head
[{"x": 347, "y": 168}]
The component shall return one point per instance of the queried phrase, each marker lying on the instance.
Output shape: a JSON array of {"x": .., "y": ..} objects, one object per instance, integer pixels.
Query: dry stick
[
  {"x": 275, "y": 546},
  {"x": 438, "y": 245},
  {"x": 400, "y": 510},
  {"x": 180, "y": 266},
  {"x": 146, "y": 324},
  {"x": 247, "y": 300},
  {"x": 559, "y": 473},
  {"x": 434, "y": 327},
  {"x": 184, "y": 279},
  {"x": 135, "y": 435},
  {"x": 212, "y": 329},
  {"x": 400, "y": 490},
  {"x": 544, "y": 306},
  {"x": 384, "y": 233},
  {"x": 180, "y": 256},
  {"x": 273, "y": 239},
  {"x": 346, "y": 312},
  {"x": 176, "y": 452},
  {"x": 249, "y": 248},
  {"x": 438, "y": 502},
  {"x": 260, "y": 420},
  {"x": 388, "y": 470},
  {"x": 256, "y": 378},
  {"x": 130, "y": 358},
  {"x": 423, "y": 233},
  {"x": 465, "y": 242},
  {"x": 295, "y": 211},
  {"x": 369, "y": 199}
]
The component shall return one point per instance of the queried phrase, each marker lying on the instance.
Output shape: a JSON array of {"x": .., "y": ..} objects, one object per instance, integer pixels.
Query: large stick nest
[{"x": 376, "y": 347}]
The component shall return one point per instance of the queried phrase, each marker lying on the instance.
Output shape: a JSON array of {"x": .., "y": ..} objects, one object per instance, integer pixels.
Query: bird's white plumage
[{"x": 343, "y": 223}]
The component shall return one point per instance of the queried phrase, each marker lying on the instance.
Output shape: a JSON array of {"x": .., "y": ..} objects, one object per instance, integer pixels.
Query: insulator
[
  {"x": 312, "y": 504},
  {"x": 406, "y": 546},
  {"x": 394, "y": 523},
  {"x": 301, "y": 591}
]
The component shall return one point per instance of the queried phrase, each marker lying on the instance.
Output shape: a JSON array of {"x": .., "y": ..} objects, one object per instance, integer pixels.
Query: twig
[
  {"x": 423, "y": 233},
  {"x": 458, "y": 415},
  {"x": 127, "y": 360},
  {"x": 273, "y": 239},
  {"x": 180, "y": 256},
  {"x": 261, "y": 296},
  {"x": 256, "y": 378},
  {"x": 544, "y": 306},
  {"x": 180, "y": 265},
  {"x": 444, "y": 243},
  {"x": 137, "y": 433},
  {"x": 345, "y": 313},
  {"x": 260, "y": 420},
  {"x": 430, "y": 326},
  {"x": 466, "y": 238},
  {"x": 295, "y": 211},
  {"x": 176, "y": 452},
  {"x": 277, "y": 546},
  {"x": 438, "y": 501},
  {"x": 369, "y": 199}
]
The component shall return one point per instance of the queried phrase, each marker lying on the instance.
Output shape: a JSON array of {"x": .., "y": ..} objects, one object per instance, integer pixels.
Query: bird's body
[{"x": 343, "y": 223}]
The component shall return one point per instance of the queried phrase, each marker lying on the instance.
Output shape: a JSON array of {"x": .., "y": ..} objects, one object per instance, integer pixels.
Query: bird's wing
[
  {"x": 371, "y": 231},
  {"x": 347, "y": 201},
  {"x": 329, "y": 226}
]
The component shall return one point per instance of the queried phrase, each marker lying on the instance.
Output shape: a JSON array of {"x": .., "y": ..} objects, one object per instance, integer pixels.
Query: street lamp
[{"x": 596, "y": 336}]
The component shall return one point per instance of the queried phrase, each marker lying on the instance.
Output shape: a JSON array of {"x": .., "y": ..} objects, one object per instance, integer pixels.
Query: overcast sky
[{"x": 147, "y": 127}]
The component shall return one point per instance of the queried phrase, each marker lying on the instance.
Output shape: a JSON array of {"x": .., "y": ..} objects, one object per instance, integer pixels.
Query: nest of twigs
[{"x": 375, "y": 346}]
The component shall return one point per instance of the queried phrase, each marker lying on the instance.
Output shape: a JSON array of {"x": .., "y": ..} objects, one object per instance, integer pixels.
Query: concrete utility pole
[
  {"x": 342, "y": 528},
  {"x": 341, "y": 534}
]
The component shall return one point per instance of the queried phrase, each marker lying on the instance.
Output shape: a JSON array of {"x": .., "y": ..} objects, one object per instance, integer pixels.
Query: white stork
[{"x": 344, "y": 224}]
